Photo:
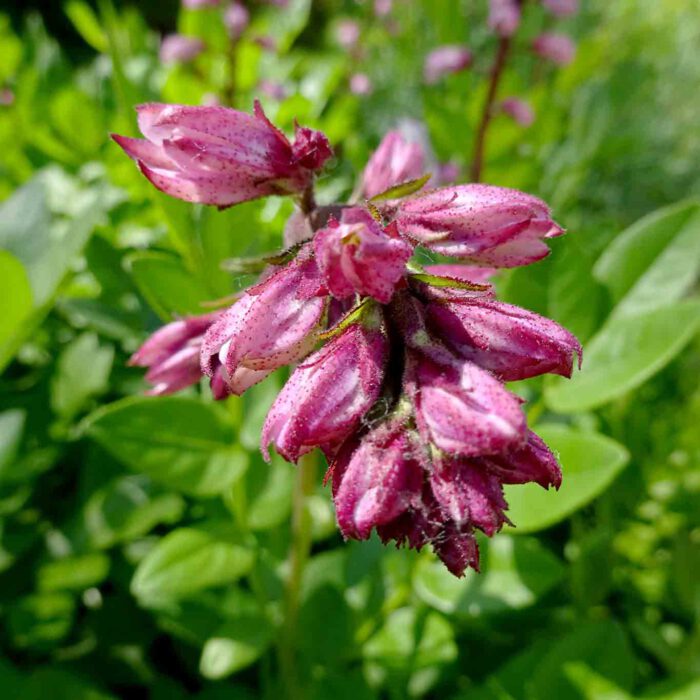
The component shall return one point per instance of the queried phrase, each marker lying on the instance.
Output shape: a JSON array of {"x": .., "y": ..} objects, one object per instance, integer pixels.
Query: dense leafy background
[{"x": 143, "y": 541}]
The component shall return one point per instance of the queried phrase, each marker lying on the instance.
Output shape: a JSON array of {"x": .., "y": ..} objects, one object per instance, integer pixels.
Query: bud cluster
[{"x": 400, "y": 369}]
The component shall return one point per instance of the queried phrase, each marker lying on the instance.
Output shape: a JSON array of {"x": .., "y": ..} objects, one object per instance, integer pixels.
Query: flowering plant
[{"x": 406, "y": 395}]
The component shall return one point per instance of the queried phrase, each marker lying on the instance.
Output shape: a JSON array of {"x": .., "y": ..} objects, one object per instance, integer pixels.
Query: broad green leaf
[
  {"x": 625, "y": 353},
  {"x": 690, "y": 691},
  {"x": 591, "y": 685},
  {"x": 636, "y": 249},
  {"x": 167, "y": 285},
  {"x": 73, "y": 573},
  {"x": 403, "y": 643},
  {"x": 239, "y": 643},
  {"x": 127, "y": 509},
  {"x": 15, "y": 296},
  {"x": 515, "y": 572},
  {"x": 179, "y": 442},
  {"x": 87, "y": 24},
  {"x": 186, "y": 561},
  {"x": 589, "y": 462},
  {"x": 671, "y": 274},
  {"x": 82, "y": 371},
  {"x": 41, "y": 620}
]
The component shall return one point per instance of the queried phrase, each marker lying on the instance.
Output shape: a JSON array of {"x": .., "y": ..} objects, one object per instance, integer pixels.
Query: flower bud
[
  {"x": 347, "y": 33},
  {"x": 357, "y": 256},
  {"x": 271, "y": 325},
  {"x": 328, "y": 394},
  {"x": 532, "y": 462},
  {"x": 487, "y": 225},
  {"x": 176, "y": 48},
  {"x": 557, "y": 48},
  {"x": 445, "y": 60},
  {"x": 462, "y": 410},
  {"x": 172, "y": 354},
  {"x": 469, "y": 495},
  {"x": 375, "y": 480},
  {"x": 504, "y": 17},
  {"x": 360, "y": 84},
  {"x": 561, "y": 8},
  {"x": 396, "y": 160},
  {"x": 236, "y": 19},
  {"x": 518, "y": 110},
  {"x": 508, "y": 341},
  {"x": 216, "y": 155}
]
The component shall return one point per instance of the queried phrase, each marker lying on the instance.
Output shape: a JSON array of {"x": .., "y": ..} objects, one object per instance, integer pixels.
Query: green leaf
[
  {"x": 86, "y": 23},
  {"x": 403, "y": 189},
  {"x": 127, "y": 509},
  {"x": 40, "y": 621},
  {"x": 167, "y": 285},
  {"x": 178, "y": 442},
  {"x": 636, "y": 251},
  {"x": 82, "y": 372},
  {"x": 15, "y": 296},
  {"x": 11, "y": 431},
  {"x": 589, "y": 461},
  {"x": 407, "y": 642},
  {"x": 515, "y": 572},
  {"x": 236, "y": 645},
  {"x": 625, "y": 353},
  {"x": 186, "y": 561},
  {"x": 73, "y": 573}
]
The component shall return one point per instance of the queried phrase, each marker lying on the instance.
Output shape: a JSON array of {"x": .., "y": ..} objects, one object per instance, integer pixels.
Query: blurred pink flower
[
  {"x": 396, "y": 160},
  {"x": 519, "y": 110},
  {"x": 195, "y": 4},
  {"x": 382, "y": 7},
  {"x": 176, "y": 48},
  {"x": 445, "y": 60},
  {"x": 561, "y": 8},
  {"x": 504, "y": 17},
  {"x": 236, "y": 19},
  {"x": 273, "y": 90},
  {"x": 347, "y": 33},
  {"x": 558, "y": 48},
  {"x": 360, "y": 84}
]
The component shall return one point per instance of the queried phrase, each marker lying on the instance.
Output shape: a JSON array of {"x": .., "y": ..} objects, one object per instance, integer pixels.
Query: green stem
[{"x": 299, "y": 551}]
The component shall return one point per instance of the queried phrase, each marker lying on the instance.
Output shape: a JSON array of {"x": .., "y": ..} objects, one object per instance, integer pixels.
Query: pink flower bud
[
  {"x": 358, "y": 256},
  {"x": 271, "y": 325},
  {"x": 504, "y": 17},
  {"x": 557, "y": 48},
  {"x": 508, "y": 341},
  {"x": 375, "y": 480},
  {"x": 469, "y": 495},
  {"x": 561, "y": 8},
  {"x": 176, "y": 48},
  {"x": 457, "y": 550},
  {"x": 382, "y": 7},
  {"x": 172, "y": 354},
  {"x": 216, "y": 155},
  {"x": 445, "y": 60},
  {"x": 275, "y": 91},
  {"x": 327, "y": 395},
  {"x": 486, "y": 225},
  {"x": 236, "y": 19},
  {"x": 518, "y": 110},
  {"x": 396, "y": 160},
  {"x": 533, "y": 462},
  {"x": 462, "y": 409},
  {"x": 446, "y": 173},
  {"x": 196, "y": 4},
  {"x": 347, "y": 33},
  {"x": 465, "y": 273},
  {"x": 266, "y": 43},
  {"x": 360, "y": 84}
]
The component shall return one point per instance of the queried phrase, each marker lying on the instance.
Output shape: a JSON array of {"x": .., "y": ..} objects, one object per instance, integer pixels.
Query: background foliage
[{"x": 143, "y": 542}]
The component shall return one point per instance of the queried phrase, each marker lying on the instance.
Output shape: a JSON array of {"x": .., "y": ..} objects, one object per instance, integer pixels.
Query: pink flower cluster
[{"x": 401, "y": 370}]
